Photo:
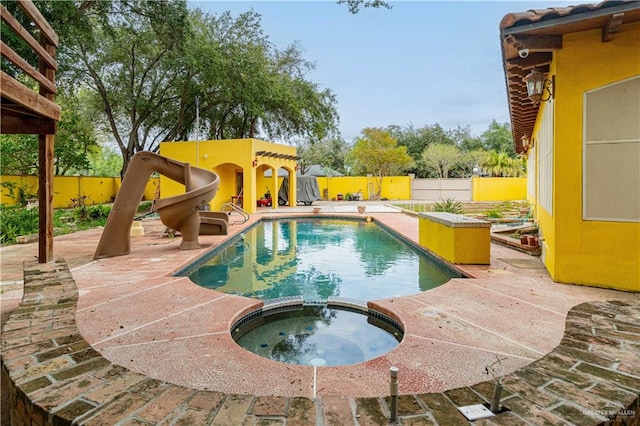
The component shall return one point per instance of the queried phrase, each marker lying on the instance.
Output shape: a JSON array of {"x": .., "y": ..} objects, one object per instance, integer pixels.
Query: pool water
[
  {"x": 318, "y": 259},
  {"x": 335, "y": 336}
]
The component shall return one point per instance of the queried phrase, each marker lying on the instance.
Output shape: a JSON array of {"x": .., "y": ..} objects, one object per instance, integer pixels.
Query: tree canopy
[
  {"x": 355, "y": 5},
  {"x": 329, "y": 153},
  {"x": 154, "y": 66},
  {"x": 74, "y": 139},
  {"x": 141, "y": 71},
  {"x": 378, "y": 153},
  {"x": 437, "y": 151},
  {"x": 498, "y": 138},
  {"x": 441, "y": 158}
]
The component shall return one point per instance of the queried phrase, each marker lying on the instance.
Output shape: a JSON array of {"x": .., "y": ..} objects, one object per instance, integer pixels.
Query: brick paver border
[{"x": 57, "y": 378}]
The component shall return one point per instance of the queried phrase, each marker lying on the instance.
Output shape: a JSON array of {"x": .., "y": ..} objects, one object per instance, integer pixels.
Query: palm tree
[{"x": 500, "y": 164}]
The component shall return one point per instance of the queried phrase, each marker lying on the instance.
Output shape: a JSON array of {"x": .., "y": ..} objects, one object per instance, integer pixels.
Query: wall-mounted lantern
[
  {"x": 254, "y": 163},
  {"x": 526, "y": 142},
  {"x": 537, "y": 84}
]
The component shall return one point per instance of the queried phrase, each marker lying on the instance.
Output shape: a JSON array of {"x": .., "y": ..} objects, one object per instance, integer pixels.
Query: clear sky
[{"x": 418, "y": 63}]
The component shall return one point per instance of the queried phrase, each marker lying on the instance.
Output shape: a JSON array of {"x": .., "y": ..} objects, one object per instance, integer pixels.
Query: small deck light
[{"x": 537, "y": 83}]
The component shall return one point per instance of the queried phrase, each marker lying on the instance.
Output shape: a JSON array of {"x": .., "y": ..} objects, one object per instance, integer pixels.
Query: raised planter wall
[{"x": 456, "y": 238}]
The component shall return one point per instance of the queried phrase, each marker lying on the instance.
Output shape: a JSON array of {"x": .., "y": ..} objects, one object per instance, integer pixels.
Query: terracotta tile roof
[
  {"x": 541, "y": 31},
  {"x": 537, "y": 15}
]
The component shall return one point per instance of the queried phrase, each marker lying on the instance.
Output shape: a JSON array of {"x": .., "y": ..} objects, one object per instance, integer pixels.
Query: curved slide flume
[{"x": 180, "y": 213}]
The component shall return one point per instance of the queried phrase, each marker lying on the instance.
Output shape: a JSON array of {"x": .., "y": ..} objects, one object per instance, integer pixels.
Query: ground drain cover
[
  {"x": 524, "y": 263},
  {"x": 475, "y": 412}
]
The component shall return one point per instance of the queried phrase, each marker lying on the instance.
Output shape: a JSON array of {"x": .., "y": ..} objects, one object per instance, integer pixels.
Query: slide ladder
[{"x": 231, "y": 208}]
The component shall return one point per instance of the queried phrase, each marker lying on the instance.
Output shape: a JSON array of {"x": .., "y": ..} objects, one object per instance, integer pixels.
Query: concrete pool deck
[{"x": 136, "y": 315}]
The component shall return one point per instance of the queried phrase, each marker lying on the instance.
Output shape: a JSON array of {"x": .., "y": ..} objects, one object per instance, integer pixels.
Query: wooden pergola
[{"x": 25, "y": 111}]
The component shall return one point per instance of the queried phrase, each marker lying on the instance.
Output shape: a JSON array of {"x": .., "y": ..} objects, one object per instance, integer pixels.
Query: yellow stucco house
[
  {"x": 241, "y": 165},
  {"x": 580, "y": 133}
]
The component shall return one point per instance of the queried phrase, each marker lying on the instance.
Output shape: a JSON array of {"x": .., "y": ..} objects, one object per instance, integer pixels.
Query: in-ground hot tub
[{"x": 342, "y": 332}]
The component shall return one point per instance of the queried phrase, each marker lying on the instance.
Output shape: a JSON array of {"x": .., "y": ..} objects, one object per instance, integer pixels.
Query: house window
[
  {"x": 611, "y": 149},
  {"x": 545, "y": 159}
]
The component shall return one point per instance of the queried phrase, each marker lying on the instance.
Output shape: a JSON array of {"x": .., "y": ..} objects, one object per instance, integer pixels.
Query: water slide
[{"x": 180, "y": 213}]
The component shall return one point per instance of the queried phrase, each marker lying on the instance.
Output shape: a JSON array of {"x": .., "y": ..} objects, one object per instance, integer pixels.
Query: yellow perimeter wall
[
  {"x": 597, "y": 253},
  {"x": 393, "y": 187},
  {"x": 101, "y": 190},
  {"x": 498, "y": 188},
  {"x": 98, "y": 190}
]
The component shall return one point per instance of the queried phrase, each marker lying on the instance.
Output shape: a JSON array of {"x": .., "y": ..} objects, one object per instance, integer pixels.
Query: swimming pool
[{"x": 318, "y": 258}]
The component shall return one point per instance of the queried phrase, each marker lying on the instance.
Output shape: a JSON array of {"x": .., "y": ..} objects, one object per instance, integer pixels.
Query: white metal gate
[{"x": 440, "y": 189}]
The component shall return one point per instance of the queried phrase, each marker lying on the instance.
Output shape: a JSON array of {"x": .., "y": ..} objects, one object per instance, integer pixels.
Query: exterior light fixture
[
  {"x": 537, "y": 84},
  {"x": 525, "y": 142},
  {"x": 254, "y": 163}
]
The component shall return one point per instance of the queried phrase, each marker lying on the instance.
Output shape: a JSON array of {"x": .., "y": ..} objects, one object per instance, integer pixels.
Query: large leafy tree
[
  {"x": 105, "y": 161},
  {"x": 19, "y": 154},
  {"x": 328, "y": 153},
  {"x": 378, "y": 153},
  {"x": 155, "y": 66},
  {"x": 471, "y": 162},
  {"x": 249, "y": 88},
  {"x": 418, "y": 139},
  {"x": 498, "y": 138},
  {"x": 441, "y": 158},
  {"x": 124, "y": 56},
  {"x": 75, "y": 138}
]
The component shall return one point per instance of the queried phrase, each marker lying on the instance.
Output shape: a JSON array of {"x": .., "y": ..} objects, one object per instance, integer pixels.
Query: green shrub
[
  {"x": 16, "y": 221},
  {"x": 144, "y": 207},
  {"x": 80, "y": 207},
  {"x": 493, "y": 214},
  {"x": 98, "y": 212},
  {"x": 448, "y": 205}
]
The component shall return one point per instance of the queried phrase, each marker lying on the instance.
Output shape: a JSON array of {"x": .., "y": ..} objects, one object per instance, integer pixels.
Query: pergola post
[
  {"x": 45, "y": 198},
  {"x": 25, "y": 112},
  {"x": 46, "y": 158}
]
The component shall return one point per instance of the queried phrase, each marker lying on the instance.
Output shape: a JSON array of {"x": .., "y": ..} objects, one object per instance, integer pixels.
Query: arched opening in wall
[
  {"x": 286, "y": 194},
  {"x": 231, "y": 184}
]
